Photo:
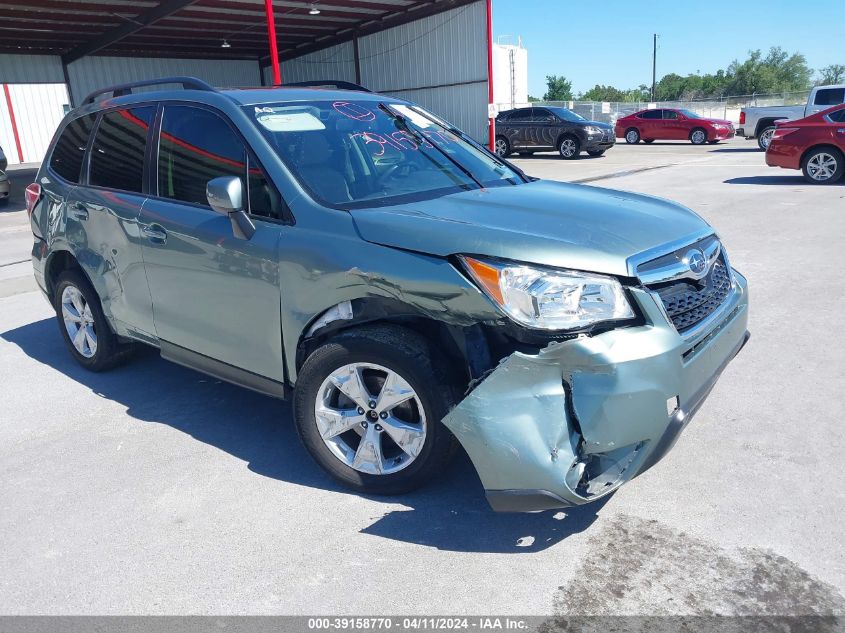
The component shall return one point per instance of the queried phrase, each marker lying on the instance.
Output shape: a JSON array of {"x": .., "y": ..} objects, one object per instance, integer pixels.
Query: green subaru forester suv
[{"x": 406, "y": 288}]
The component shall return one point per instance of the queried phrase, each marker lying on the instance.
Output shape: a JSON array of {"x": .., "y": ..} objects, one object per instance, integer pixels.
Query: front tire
[
  {"x": 569, "y": 147},
  {"x": 595, "y": 153},
  {"x": 502, "y": 147},
  {"x": 698, "y": 136},
  {"x": 632, "y": 136},
  {"x": 764, "y": 138},
  {"x": 368, "y": 407},
  {"x": 823, "y": 166},
  {"x": 83, "y": 326}
]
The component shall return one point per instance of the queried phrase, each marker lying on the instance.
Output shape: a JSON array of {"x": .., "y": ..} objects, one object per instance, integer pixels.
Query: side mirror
[{"x": 225, "y": 195}]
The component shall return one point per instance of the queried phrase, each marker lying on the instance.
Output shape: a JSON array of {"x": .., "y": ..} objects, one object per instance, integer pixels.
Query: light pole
[{"x": 654, "y": 69}]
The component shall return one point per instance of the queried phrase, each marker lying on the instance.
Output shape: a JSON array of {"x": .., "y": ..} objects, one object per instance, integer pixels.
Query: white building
[{"x": 510, "y": 75}]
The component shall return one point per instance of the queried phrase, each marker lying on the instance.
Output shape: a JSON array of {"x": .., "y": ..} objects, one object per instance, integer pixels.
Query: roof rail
[
  {"x": 327, "y": 83},
  {"x": 188, "y": 83}
]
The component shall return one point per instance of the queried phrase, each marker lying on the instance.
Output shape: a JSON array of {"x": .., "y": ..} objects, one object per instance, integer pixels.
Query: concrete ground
[{"x": 153, "y": 489}]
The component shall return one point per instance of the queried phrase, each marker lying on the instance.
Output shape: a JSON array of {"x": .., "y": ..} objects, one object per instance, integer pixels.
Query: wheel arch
[
  {"x": 574, "y": 133},
  {"x": 829, "y": 147},
  {"x": 762, "y": 124},
  {"x": 59, "y": 261},
  {"x": 703, "y": 129},
  {"x": 465, "y": 347}
]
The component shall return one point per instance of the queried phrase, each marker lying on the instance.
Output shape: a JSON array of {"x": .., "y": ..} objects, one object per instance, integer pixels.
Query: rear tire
[
  {"x": 764, "y": 138},
  {"x": 502, "y": 147},
  {"x": 698, "y": 136},
  {"x": 373, "y": 353},
  {"x": 823, "y": 166},
  {"x": 713, "y": 142},
  {"x": 649, "y": 141},
  {"x": 632, "y": 136},
  {"x": 595, "y": 153},
  {"x": 569, "y": 147},
  {"x": 84, "y": 328}
]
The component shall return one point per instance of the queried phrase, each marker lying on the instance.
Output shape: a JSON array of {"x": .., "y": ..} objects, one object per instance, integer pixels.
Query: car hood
[{"x": 542, "y": 222}]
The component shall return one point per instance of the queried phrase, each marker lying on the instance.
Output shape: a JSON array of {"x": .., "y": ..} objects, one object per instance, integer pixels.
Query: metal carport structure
[{"x": 436, "y": 52}]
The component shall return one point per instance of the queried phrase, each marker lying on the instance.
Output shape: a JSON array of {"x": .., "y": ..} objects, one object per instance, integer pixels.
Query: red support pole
[
  {"x": 271, "y": 36},
  {"x": 14, "y": 122},
  {"x": 492, "y": 132}
]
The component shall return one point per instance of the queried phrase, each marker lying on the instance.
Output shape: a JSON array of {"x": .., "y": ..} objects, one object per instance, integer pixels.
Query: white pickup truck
[{"x": 759, "y": 123}]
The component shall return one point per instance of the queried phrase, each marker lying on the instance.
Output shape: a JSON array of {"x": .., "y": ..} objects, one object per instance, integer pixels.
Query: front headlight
[
  {"x": 592, "y": 130},
  {"x": 550, "y": 299}
]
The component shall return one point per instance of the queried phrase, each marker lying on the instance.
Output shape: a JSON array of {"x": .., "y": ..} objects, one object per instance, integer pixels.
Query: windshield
[
  {"x": 353, "y": 154},
  {"x": 689, "y": 114},
  {"x": 567, "y": 115}
]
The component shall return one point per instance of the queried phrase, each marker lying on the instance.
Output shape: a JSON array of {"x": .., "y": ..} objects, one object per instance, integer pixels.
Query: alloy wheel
[
  {"x": 79, "y": 321},
  {"x": 698, "y": 137},
  {"x": 501, "y": 147},
  {"x": 822, "y": 166},
  {"x": 766, "y": 137},
  {"x": 568, "y": 148},
  {"x": 632, "y": 136},
  {"x": 370, "y": 418}
]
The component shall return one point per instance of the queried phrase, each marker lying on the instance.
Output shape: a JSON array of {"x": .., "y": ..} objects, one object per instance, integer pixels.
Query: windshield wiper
[{"x": 403, "y": 125}]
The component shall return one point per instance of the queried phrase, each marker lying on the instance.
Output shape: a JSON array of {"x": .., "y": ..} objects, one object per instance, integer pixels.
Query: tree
[
  {"x": 533, "y": 99},
  {"x": 603, "y": 93},
  {"x": 559, "y": 88},
  {"x": 776, "y": 72},
  {"x": 833, "y": 74}
]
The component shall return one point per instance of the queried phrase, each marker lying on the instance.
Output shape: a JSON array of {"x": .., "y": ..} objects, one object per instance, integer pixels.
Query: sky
[{"x": 610, "y": 42}]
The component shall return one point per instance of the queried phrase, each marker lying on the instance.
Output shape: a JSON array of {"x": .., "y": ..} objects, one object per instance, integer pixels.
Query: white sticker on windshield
[
  {"x": 289, "y": 121},
  {"x": 413, "y": 116}
]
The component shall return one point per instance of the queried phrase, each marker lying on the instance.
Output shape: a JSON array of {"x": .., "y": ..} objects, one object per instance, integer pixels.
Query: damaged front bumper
[{"x": 572, "y": 423}]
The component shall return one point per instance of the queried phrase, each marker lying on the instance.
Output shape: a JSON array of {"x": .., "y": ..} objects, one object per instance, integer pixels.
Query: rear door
[
  {"x": 651, "y": 124},
  {"x": 105, "y": 208},
  {"x": 519, "y": 124},
  {"x": 544, "y": 129},
  {"x": 213, "y": 294}
]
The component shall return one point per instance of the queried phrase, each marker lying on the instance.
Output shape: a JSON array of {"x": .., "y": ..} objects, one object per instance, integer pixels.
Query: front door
[
  {"x": 674, "y": 126},
  {"x": 213, "y": 293}
]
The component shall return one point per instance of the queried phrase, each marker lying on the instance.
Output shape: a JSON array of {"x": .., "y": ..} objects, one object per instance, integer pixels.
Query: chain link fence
[{"x": 727, "y": 107}]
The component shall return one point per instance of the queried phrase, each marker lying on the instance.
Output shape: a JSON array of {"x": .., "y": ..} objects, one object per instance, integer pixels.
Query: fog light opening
[{"x": 597, "y": 474}]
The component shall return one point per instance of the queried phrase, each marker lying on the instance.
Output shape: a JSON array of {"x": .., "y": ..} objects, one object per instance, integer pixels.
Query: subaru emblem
[{"x": 697, "y": 263}]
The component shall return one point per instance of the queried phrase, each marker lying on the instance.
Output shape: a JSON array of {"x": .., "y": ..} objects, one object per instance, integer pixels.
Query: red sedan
[
  {"x": 672, "y": 125},
  {"x": 815, "y": 145}
]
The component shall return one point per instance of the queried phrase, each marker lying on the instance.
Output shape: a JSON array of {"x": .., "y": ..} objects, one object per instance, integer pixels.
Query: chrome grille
[{"x": 688, "y": 302}]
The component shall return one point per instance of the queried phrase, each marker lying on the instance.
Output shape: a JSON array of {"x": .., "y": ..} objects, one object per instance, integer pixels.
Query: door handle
[
  {"x": 155, "y": 233},
  {"x": 77, "y": 211}
]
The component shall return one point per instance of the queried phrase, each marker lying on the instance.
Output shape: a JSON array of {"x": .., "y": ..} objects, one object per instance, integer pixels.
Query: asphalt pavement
[{"x": 153, "y": 489}]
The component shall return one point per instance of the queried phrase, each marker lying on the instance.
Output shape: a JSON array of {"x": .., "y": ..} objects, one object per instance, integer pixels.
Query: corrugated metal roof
[{"x": 196, "y": 28}]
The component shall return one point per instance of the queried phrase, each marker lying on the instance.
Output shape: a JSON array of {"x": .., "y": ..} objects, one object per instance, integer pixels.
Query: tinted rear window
[
  {"x": 117, "y": 156},
  {"x": 651, "y": 114},
  {"x": 830, "y": 96},
  {"x": 67, "y": 156},
  {"x": 838, "y": 116}
]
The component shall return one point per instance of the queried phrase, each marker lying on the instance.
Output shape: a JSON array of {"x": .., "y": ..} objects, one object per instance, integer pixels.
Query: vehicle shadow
[
  {"x": 450, "y": 514},
  {"x": 775, "y": 180},
  {"x": 739, "y": 149}
]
